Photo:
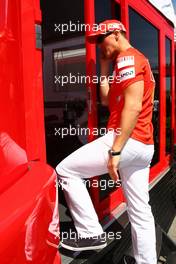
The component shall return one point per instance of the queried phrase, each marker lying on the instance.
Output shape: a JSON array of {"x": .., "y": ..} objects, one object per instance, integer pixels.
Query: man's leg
[
  {"x": 135, "y": 177},
  {"x": 88, "y": 161}
]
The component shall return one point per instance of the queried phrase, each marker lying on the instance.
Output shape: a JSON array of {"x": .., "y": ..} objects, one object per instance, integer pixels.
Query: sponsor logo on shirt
[
  {"x": 125, "y": 61},
  {"x": 127, "y": 74}
]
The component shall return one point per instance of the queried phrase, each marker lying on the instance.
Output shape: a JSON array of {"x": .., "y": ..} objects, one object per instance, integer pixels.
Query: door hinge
[{"x": 38, "y": 35}]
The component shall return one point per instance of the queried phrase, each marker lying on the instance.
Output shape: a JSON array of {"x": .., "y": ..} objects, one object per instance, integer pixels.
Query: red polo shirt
[{"x": 132, "y": 66}]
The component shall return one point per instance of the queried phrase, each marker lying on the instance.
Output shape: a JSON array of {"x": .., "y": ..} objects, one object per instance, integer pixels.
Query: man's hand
[
  {"x": 104, "y": 73},
  {"x": 113, "y": 164}
]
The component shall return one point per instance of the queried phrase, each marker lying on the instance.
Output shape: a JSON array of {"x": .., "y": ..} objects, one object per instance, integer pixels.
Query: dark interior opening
[{"x": 65, "y": 105}]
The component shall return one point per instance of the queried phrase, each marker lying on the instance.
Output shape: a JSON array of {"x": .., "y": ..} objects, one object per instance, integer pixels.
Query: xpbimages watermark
[
  {"x": 104, "y": 236},
  {"x": 82, "y": 27},
  {"x": 82, "y": 79},
  {"x": 84, "y": 131},
  {"x": 102, "y": 184}
]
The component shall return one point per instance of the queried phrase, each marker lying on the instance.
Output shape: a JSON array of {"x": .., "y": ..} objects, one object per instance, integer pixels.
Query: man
[{"x": 130, "y": 101}]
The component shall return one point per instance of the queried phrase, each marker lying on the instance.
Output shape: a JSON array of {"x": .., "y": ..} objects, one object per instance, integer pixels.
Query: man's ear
[{"x": 116, "y": 33}]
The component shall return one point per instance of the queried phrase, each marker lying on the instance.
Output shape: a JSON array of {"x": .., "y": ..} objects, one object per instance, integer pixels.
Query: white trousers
[{"x": 91, "y": 160}]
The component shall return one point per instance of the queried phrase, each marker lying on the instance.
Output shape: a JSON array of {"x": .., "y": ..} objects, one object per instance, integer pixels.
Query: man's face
[{"x": 108, "y": 46}]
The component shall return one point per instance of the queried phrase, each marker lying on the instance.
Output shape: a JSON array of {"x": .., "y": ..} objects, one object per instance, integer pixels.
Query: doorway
[{"x": 64, "y": 60}]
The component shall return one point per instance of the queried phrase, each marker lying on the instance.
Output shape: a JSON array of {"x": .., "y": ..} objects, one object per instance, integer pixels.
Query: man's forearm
[
  {"x": 104, "y": 85},
  {"x": 128, "y": 121}
]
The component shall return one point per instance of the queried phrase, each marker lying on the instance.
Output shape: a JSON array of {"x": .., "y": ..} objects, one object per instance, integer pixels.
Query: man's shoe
[
  {"x": 52, "y": 240},
  {"x": 129, "y": 260},
  {"x": 84, "y": 243}
]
